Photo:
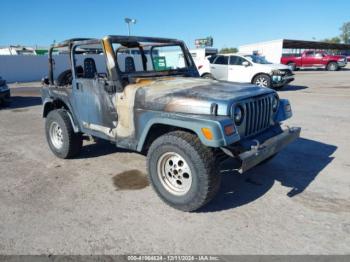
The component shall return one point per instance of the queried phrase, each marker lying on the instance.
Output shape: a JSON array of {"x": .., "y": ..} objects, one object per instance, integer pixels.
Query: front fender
[
  {"x": 284, "y": 110},
  {"x": 191, "y": 122}
]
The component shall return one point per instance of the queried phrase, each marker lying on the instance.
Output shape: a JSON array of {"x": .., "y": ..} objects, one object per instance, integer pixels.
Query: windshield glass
[
  {"x": 258, "y": 59},
  {"x": 150, "y": 57}
]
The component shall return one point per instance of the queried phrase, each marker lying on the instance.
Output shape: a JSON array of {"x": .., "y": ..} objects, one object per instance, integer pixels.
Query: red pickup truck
[{"x": 319, "y": 59}]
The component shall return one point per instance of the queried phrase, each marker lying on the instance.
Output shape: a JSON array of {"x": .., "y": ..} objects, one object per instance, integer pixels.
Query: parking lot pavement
[{"x": 101, "y": 203}]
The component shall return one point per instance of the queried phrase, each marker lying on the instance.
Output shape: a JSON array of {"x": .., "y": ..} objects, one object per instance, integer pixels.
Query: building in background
[
  {"x": 275, "y": 49},
  {"x": 22, "y": 50}
]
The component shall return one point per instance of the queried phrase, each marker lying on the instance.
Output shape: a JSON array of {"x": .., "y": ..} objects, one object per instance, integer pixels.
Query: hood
[
  {"x": 279, "y": 66},
  {"x": 267, "y": 68},
  {"x": 193, "y": 95}
]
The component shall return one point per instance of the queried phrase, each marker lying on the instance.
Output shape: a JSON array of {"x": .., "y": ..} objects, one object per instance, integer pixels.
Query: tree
[
  {"x": 227, "y": 50},
  {"x": 333, "y": 40},
  {"x": 345, "y": 33}
]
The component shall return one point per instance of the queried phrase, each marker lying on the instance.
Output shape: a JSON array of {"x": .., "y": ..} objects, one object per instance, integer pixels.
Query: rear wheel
[
  {"x": 262, "y": 80},
  {"x": 182, "y": 171},
  {"x": 60, "y": 135},
  {"x": 332, "y": 66}
]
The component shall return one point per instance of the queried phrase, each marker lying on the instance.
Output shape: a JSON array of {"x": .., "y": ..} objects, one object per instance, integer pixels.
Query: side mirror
[{"x": 245, "y": 63}]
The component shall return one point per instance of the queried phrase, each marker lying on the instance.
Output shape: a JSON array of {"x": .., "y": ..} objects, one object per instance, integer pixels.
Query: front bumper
[
  {"x": 342, "y": 63},
  {"x": 271, "y": 146},
  {"x": 281, "y": 80}
]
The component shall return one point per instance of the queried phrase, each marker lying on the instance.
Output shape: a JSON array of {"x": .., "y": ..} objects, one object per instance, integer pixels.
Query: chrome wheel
[
  {"x": 56, "y": 135},
  {"x": 332, "y": 67},
  {"x": 261, "y": 81},
  {"x": 174, "y": 173}
]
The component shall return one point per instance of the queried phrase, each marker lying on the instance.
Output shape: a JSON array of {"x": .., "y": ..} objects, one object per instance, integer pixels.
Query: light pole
[{"x": 129, "y": 21}]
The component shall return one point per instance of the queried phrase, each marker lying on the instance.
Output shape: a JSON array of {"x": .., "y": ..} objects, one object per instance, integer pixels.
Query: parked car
[
  {"x": 200, "y": 58},
  {"x": 185, "y": 124},
  {"x": 244, "y": 68},
  {"x": 4, "y": 91},
  {"x": 315, "y": 59}
]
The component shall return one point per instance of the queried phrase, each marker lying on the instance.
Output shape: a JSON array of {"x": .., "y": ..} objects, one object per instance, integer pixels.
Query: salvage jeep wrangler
[{"x": 145, "y": 94}]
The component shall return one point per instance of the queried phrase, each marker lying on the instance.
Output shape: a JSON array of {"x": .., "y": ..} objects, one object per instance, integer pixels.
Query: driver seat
[
  {"x": 89, "y": 68},
  {"x": 129, "y": 64}
]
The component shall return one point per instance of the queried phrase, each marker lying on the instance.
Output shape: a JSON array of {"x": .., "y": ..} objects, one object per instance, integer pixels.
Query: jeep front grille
[{"x": 257, "y": 115}]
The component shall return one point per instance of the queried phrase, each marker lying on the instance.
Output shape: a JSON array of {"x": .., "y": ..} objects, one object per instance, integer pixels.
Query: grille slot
[{"x": 257, "y": 115}]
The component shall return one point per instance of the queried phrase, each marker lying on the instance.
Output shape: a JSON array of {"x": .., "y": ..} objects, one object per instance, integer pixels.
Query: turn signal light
[
  {"x": 207, "y": 133},
  {"x": 199, "y": 67},
  {"x": 229, "y": 130}
]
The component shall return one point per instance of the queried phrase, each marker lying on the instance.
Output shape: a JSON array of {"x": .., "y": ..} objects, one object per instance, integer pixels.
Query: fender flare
[
  {"x": 195, "y": 125},
  {"x": 48, "y": 105}
]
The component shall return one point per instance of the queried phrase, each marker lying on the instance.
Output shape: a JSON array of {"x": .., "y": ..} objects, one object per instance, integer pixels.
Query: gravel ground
[{"x": 101, "y": 203}]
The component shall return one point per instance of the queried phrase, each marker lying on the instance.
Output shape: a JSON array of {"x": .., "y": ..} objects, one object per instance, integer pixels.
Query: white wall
[
  {"x": 18, "y": 68},
  {"x": 272, "y": 50}
]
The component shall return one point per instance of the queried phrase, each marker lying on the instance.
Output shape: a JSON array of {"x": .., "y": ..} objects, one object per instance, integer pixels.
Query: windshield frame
[
  {"x": 113, "y": 71},
  {"x": 128, "y": 42}
]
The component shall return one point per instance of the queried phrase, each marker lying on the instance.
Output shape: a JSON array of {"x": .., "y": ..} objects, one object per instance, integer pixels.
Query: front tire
[
  {"x": 262, "y": 80},
  {"x": 332, "y": 66},
  {"x": 183, "y": 171},
  {"x": 62, "y": 140}
]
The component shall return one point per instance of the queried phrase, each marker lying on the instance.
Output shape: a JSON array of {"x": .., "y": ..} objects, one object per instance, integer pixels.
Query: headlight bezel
[
  {"x": 238, "y": 121},
  {"x": 275, "y": 103}
]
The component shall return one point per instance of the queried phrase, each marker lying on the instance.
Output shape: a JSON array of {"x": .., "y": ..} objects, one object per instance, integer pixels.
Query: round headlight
[
  {"x": 275, "y": 103},
  {"x": 238, "y": 115}
]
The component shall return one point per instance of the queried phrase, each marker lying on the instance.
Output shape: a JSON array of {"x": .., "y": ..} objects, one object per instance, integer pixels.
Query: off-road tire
[
  {"x": 263, "y": 77},
  {"x": 65, "y": 78},
  {"x": 204, "y": 168},
  {"x": 332, "y": 66},
  {"x": 72, "y": 142}
]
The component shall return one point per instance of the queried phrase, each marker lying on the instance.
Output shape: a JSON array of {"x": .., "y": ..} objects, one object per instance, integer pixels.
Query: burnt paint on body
[
  {"x": 161, "y": 97},
  {"x": 100, "y": 106},
  {"x": 193, "y": 95}
]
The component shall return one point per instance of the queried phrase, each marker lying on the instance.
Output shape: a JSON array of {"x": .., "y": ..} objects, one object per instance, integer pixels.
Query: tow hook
[
  {"x": 255, "y": 148},
  {"x": 292, "y": 129}
]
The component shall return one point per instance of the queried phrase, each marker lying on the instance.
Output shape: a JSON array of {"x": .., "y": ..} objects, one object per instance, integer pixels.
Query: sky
[{"x": 230, "y": 22}]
